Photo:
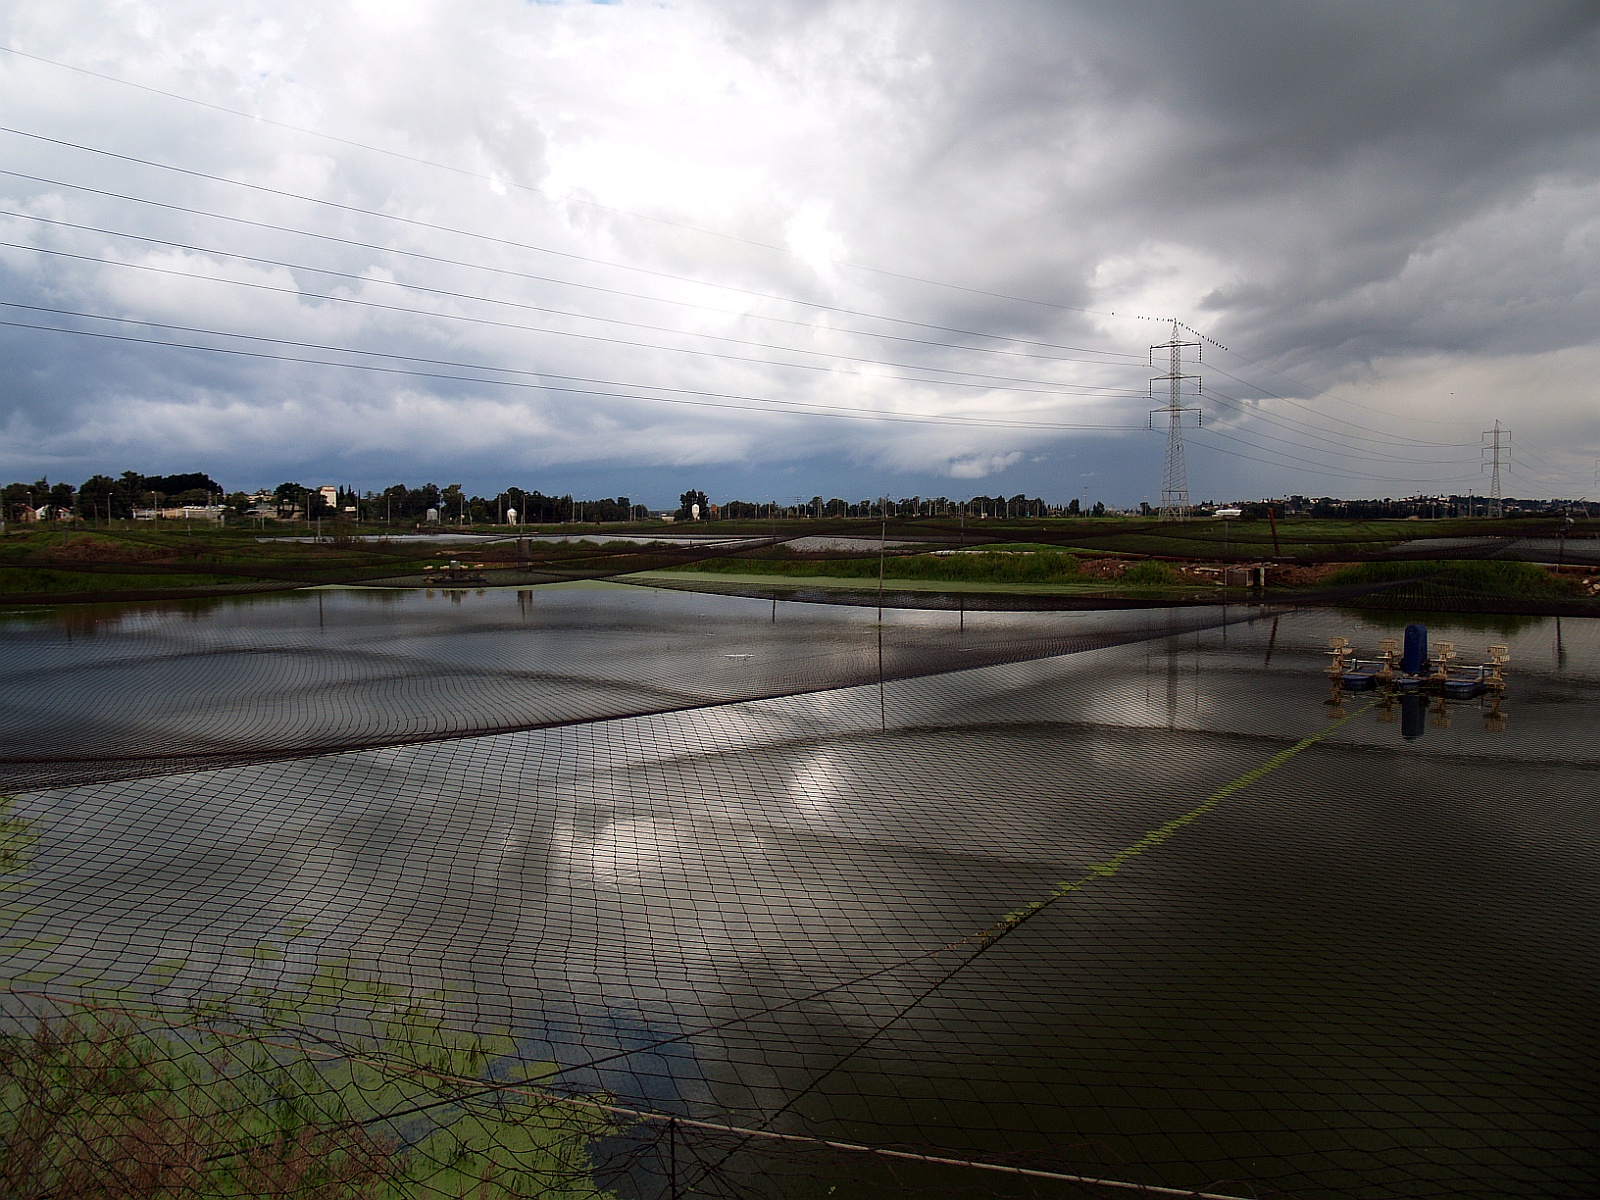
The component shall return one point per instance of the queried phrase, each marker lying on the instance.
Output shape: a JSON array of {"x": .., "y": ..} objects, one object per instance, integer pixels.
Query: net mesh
[{"x": 605, "y": 890}]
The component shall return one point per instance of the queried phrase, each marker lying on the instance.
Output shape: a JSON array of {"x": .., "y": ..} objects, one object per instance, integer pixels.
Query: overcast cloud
[{"x": 775, "y": 249}]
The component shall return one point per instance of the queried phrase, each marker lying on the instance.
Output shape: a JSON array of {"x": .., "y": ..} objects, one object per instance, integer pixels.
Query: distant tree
[
  {"x": 131, "y": 493},
  {"x": 1072, "y": 509},
  {"x": 16, "y": 497},
  {"x": 239, "y": 503},
  {"x": 101, "y": 497},
  {"x": 289, "y": 497},
  {"x": 1099, "y": 509},
  {"x": 174, "y": 486},
  {"x": 451, "y": 502},
  {"x": 394, "y": 503},
  {"x": 688, "y": 500}
]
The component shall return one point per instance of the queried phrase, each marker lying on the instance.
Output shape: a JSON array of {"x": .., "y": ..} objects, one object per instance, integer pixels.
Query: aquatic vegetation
[
  {"x": 334, "y": 1088},
  {"x": 117, "y": 1103}
]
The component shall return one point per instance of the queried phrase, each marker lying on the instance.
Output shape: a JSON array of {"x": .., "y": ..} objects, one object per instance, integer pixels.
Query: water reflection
[
  {"x": 1272, "y": 995},
  {"x": 186, "y": 686}
]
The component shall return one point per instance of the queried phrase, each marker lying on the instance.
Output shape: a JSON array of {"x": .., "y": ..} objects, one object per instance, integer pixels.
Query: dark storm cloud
[
  {"x": 1315, "y": 148},
  {"x": 1396, "y": 198}
]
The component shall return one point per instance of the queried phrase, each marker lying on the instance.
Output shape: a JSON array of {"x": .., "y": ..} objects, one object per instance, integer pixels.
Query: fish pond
[{"x": 818, "y": 900}]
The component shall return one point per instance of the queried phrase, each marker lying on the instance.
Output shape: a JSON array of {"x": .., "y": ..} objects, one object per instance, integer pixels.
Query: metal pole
[{"x": 883, "y": 536}]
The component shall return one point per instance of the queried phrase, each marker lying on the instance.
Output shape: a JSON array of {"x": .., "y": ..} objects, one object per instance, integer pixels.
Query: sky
[{"x": 778, "y": 249}]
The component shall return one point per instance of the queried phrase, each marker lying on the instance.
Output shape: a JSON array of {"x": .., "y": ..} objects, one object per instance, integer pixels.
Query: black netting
[
  {"x": 111, "y": 693},
  {"x": 1132, "y": 900}
]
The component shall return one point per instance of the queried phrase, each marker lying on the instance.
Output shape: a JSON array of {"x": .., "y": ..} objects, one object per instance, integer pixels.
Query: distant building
[
  {"x": 186, "y": 512},
  {"x": 329, "y": 494}
]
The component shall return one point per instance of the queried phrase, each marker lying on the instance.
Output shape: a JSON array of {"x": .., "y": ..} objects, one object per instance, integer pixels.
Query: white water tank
[
  {"x": 432, "y": 517},
  {"x": 511, "y": 516},
  {"x": 694, "y": 512}
]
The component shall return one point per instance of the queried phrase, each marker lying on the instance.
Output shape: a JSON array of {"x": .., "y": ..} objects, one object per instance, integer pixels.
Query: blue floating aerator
[{"x": 1416, "y": 651}]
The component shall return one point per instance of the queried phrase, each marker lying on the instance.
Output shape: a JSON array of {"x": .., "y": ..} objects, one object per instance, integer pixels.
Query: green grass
[
  {"x": 1040, "y": 567},
  {"x": 332, "y": 1087},
  {"x": 44, "y": 564},
  {"x": 1148, "y": 574},
  {"x": 707, "y": 581},
  {"x": 1491, "y": 579},
  {"x": 46, "y": 580},
  {"x": 97, "y": 1102}
]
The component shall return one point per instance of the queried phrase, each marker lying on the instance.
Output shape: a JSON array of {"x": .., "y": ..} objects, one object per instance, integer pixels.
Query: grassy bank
[
  {"x": 332, "y": 1087},
  {"x": 1041, "y": 567},
  {"x": 1481, "y": 579}
]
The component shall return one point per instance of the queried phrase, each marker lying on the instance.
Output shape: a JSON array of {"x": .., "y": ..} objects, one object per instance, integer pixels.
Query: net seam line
[
  {"x": 985, "y": 937},
  {"x": 977, "y": 937},
  {"x": 993, "y": 935}
]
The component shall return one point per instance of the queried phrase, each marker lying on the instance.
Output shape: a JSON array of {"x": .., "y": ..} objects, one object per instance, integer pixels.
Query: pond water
[{"x": 741, "y": 876}]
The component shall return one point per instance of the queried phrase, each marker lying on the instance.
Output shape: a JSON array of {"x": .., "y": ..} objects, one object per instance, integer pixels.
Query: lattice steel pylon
[
  {"x": 1494, "y": 440},
  {"x": 1175, "y": 476}
]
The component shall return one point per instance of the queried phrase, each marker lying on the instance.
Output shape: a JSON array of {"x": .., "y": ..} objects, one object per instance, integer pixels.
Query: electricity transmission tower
[
  {"x": 1175, "y": 477},
  {"x": 1495, "y": 440}
]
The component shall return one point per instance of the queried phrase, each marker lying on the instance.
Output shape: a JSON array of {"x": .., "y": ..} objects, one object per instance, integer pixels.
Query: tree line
[
  {"x": 978, "y": 507},
  {"x": 103, "y": 497}
]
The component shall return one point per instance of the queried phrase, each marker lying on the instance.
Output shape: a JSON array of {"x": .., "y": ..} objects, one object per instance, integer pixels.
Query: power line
[
  {"x": 366, "y": 280},
  {"x": 1322, "y": 391},
  {"x": 568, "y": 199},
  {"x": 1279, "y": 461},
  {"x": 344, "y": 300},
  {"x": 1295, "y": 463},
  {"x": 1329, "y": 472},
  {"x": 430, "y": 225},
  {"x": 1310, "y": 430},
  {"x": 1384, "y": 436},
  {"x": 1267, "y": 417},
  {"x": 619, "y": 292},
  {"x": 509, "y": 325},
  {"x": 994, "y": 383},
  {"x": 576, "y": 257},
  {"x": 821, "y": 409}
]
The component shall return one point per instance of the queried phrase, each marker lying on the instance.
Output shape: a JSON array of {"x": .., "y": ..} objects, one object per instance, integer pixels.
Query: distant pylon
[
  {"x": 1175, "y": 477},
  {"x": 1494, "y": 440}
]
